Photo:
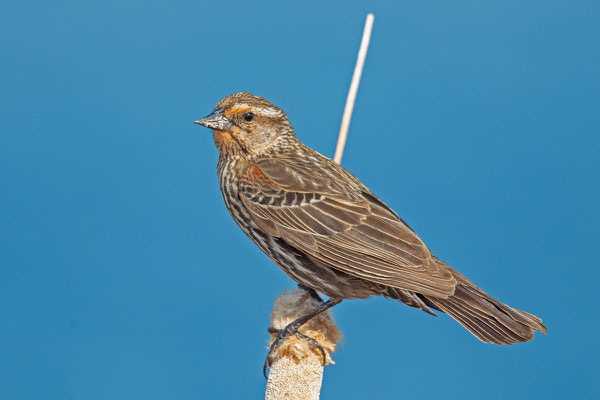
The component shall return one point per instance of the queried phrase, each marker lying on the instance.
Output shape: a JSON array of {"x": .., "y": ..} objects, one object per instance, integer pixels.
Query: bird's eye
[{"x": 249, "y": 116}]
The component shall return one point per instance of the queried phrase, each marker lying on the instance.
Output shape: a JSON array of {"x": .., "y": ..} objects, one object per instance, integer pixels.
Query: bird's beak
[{"x": 216, "y": 120}]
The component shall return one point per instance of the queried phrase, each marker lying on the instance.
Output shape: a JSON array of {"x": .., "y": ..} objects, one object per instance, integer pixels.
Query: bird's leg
[
  {"x": 313, "y": 293},
  {"x": 292, "y": 329}
]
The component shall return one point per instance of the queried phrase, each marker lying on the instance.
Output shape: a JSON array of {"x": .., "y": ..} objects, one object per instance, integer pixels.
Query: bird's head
[{"x": 243, "y": 122}]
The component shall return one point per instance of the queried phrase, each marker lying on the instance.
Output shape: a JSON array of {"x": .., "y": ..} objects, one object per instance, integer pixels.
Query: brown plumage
[{"x": 329, "y": 232}]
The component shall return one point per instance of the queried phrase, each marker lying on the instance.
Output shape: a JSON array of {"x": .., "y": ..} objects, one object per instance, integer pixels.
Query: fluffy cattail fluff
[{"x": 297, "y": 368}]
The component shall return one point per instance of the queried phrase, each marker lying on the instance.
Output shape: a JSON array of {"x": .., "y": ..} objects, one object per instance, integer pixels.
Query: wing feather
[{"x": 342, "y": 224}]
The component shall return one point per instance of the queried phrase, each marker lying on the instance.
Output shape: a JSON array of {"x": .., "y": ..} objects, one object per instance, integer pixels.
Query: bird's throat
[{"x": 226, "y": 143}]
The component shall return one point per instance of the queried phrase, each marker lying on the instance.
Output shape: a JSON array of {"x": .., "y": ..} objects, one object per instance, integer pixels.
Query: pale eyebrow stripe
[{"x": 268, "y": 112}]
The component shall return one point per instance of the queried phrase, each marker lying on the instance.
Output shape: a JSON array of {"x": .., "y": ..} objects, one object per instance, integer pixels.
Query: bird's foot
[{"x": 282, "y": 335}]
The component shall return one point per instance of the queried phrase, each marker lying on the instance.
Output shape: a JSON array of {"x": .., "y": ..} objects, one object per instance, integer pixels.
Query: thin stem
[{"x": 360, "y": 63}]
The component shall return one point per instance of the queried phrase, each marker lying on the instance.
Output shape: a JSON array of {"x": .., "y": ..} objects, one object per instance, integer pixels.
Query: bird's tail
[{"x": 485, "y": 317}]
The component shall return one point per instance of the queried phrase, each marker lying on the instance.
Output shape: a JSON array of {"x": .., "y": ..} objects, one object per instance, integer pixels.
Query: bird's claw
[
  {"x": 315, "y": 345},
  {"x": 282, "y": 335}
]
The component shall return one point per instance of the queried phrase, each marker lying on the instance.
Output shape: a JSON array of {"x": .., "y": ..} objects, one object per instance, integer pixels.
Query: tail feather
[{"x": 485, "y": 317}]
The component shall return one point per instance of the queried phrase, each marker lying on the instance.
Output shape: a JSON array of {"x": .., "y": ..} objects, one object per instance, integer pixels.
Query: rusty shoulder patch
[{"x": 254, "y": 175}]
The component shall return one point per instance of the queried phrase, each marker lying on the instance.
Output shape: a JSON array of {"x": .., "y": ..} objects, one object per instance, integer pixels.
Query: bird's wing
[{"x": 334, "y": 219}]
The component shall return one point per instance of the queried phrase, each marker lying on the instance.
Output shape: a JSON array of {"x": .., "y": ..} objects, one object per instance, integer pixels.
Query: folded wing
[{"x": 341, "y": 224}]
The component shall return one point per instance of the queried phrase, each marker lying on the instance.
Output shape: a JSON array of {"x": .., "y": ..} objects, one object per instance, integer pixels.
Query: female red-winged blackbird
[{"x": 330, "y": 233}]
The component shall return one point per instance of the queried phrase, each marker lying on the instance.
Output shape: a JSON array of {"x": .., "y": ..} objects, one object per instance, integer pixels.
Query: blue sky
[{"x": 122, "y": 275}]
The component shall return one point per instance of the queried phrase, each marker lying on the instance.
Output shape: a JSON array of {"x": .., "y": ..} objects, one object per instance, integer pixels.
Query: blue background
[{"x": 122, "y": 275}]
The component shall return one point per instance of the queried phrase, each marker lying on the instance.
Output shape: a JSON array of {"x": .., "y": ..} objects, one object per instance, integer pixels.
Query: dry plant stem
[
  {"x": 295, "y": 380},
  {"x": 360, "y": 63},
  {"x": 297, "y": 369}
]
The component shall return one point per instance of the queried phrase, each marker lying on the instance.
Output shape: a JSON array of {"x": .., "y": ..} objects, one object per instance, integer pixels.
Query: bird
[{"x": 331, "y": 234}]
